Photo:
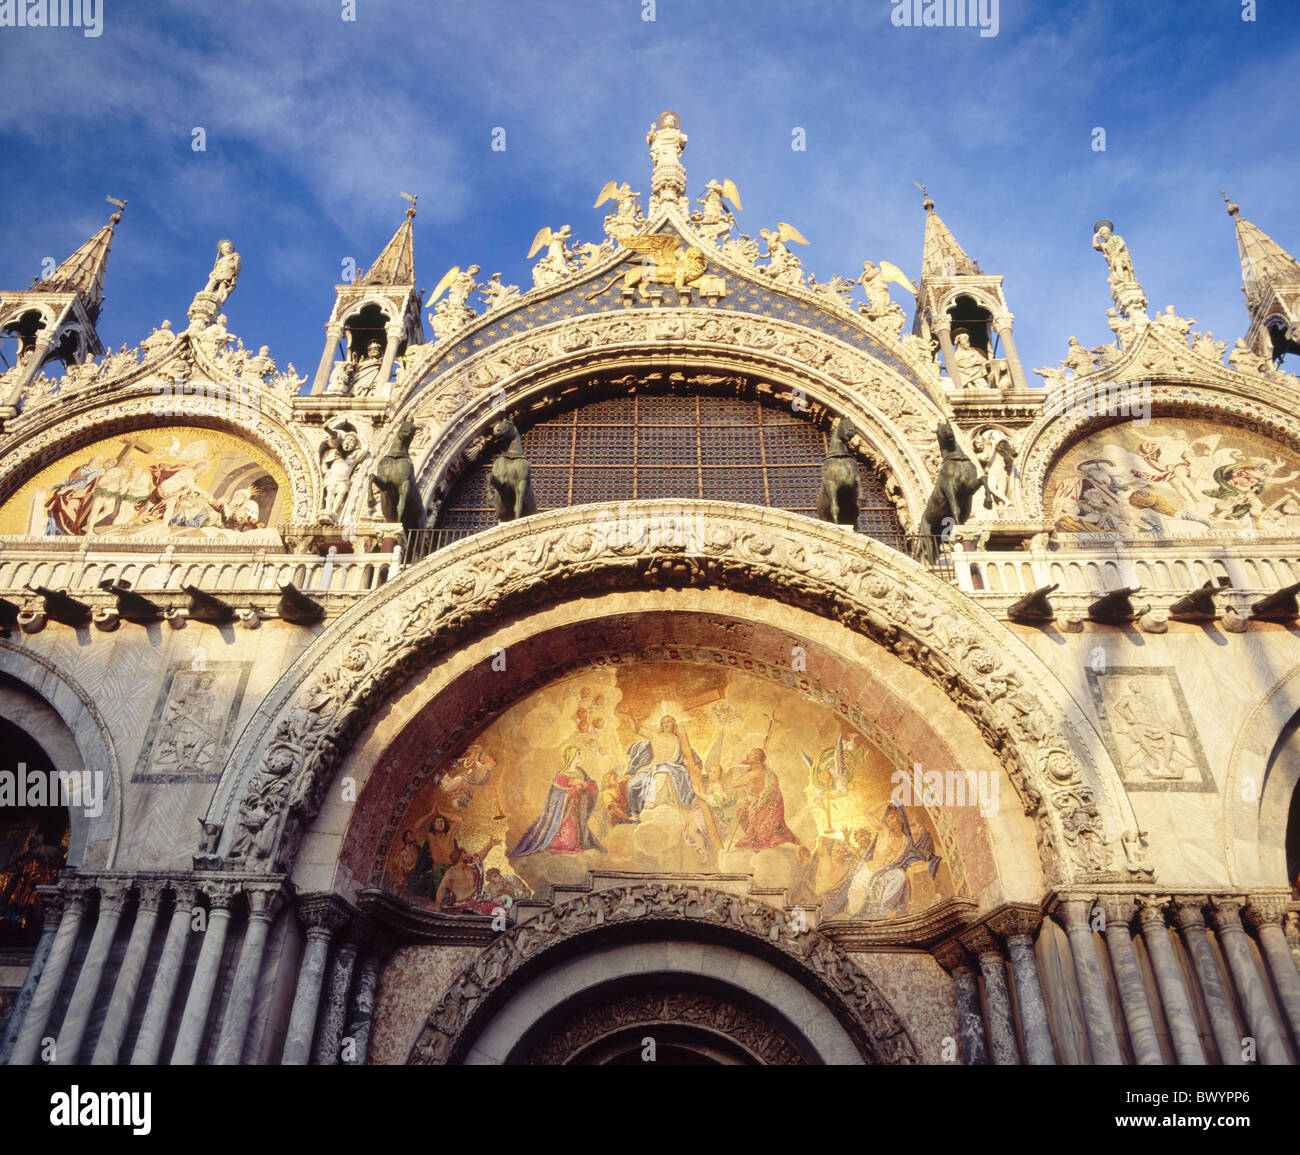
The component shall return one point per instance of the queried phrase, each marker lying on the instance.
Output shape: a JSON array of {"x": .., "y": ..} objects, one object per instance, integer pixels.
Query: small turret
[
  {"x": 964, "y": 308},
  {"x": 1271, "y": 285},
  {"x": 55, "y": 318},
  {"x": 376, "y": 317}
]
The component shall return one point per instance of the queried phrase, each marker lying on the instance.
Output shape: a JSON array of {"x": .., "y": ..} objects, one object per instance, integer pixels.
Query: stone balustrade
[
  {"x": 80, "y": 570},
  {"x": 1170, "y": 567}
]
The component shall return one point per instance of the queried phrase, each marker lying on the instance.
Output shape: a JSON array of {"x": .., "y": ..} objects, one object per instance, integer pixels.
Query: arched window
[{"x": 648, "y": 446}]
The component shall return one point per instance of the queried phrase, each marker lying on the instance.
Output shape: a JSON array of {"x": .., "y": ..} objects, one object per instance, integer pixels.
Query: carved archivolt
[
  {"x": 869, "y": 1019},
  {"x": 644, "y": 1010},
  {"x": 277, "y": 773}
]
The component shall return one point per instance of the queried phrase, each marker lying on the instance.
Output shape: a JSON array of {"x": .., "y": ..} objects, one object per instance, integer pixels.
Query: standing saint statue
[
  {"x": 972, "y": 362},
  {"x": 1124, "y": 287},
  {"x": 225, "y": 271},
  {"x": 668, "y": 177}
]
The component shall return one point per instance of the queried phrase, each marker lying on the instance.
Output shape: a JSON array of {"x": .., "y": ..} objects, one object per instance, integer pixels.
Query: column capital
[
  {"x": 938, "y": 327},
  {"x": 186, "y": 894},
  {"x": 113, "y": 893},
  {"x": 952, "y": 955},
  {"x": 221, "y": 895},
  {"x": 324, "y": 914},
  {"x": 1151, "y": 909},
  {"x": 1075, "y": 913},
  {"x": 1292, "y": 923},
  {"x": 263, "y": 898},
  {"x": 981, "y": 941},
  {"x": 1120, "y": 909},
  {"x": 53, "y": 900},
  {"x": 1225, "y": 912},
  {"x": 1016, "y": 922},
  {"x": 1189, "y": 910},
  {"x": 1269, "y": 910},
  {"x": 76, "y": 893},
  {"x": 151, "y": 891},
  {"x": 1003, "y": 320}
]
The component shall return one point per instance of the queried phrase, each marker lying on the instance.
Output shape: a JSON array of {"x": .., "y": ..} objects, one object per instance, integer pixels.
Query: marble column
[
  {"x": 262, "y": 900},
  {"x": 128, "y": 975},
  {"x": 1002, "y": 326},
  {"x": 1266, "y": 915},
  {"x": 322, "y": 915},
  {"x": 56, "y": 968},
  {"x": 1016, "y": 926},
  {"x": 330, "y": 1036},
  {"x": 394, "y": 333},
  {"x": 1190, "y": 916},
  {"x": 1075, "y": 914},
  {"x": 1128, "y": 977},
  {"x": 356, "y": 1035},
  {"x": 149, "y": 1040},
  {"x": 112, "y": 900},
  {"x": 956, "y": 960},
  {"x": 333, "y": 335},
  {"x": 1169, "y": 981},
  {"x": 203, "y": 985},
  {"x": 943, "y": 330},
  {"x": 1263, "y": 1024},
  {"x": 51, "y": 912},
  {"x": 1292, "y": 932},
  {"x": 1000, "y": 1019}
]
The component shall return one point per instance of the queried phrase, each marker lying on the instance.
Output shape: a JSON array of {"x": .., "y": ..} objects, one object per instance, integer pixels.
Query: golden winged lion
[{"x": 665, "y": 263}]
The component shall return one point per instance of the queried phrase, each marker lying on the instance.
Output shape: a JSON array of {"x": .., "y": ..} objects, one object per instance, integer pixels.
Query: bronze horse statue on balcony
[
  {"x": 393, "y": 481},
  {"x": 841, "y": 492},
  {"x": 509, "y": 483},
  {"x": 955, "y": 488}
]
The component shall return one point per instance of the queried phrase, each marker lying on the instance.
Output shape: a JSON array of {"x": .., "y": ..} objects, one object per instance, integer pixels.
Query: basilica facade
[{"x": 674, "y": 659}]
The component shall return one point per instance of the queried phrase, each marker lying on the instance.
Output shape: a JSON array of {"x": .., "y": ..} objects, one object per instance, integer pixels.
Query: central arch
[
  {"x": 276, "y": 776},
  {"x": 820, "y": 1001}
]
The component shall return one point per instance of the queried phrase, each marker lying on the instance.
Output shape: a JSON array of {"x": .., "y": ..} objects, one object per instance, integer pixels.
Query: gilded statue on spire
[{"x": 668, "y": 177}]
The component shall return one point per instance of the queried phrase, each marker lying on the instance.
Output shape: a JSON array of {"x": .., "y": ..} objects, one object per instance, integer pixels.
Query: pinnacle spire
[
  {"x": 396, "y": 264},
  {"x": 941, "y": 255},
  {"x": 1263, "y": 261},
  {"x": 83, "y": 272}
]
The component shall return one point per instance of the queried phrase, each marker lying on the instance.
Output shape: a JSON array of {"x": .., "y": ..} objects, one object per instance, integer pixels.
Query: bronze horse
[
  {"x": 509, "y": 482},
  {"x": 394, "y": 481},
  {"x": 841, "y": 492},
  {"x": 950, "y": 501}
]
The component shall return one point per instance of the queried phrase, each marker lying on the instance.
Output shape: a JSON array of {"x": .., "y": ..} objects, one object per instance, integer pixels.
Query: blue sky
[{"x": 314, "y": 124}]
